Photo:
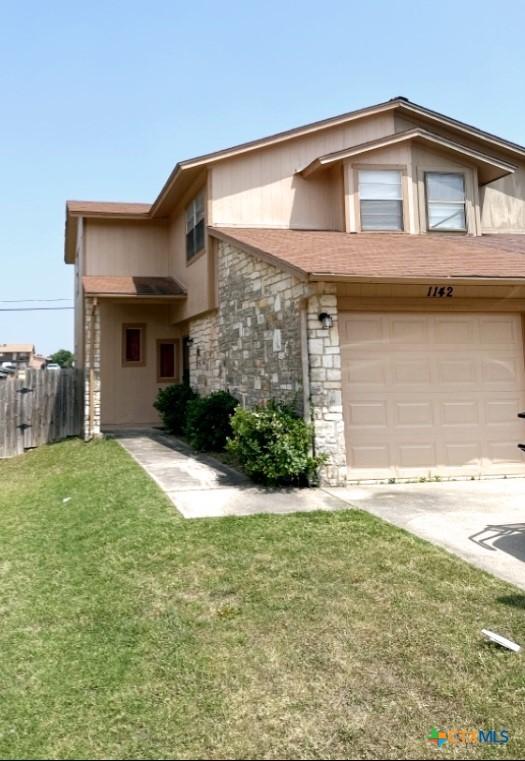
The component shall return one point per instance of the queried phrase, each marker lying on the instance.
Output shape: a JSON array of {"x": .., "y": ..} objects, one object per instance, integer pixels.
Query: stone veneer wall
[
  {"x": 252, "y": 346},
  {"x": 206, "y": 366},
  {"x": 91, "y": 331},
  {"x": 259, "y": 324}
]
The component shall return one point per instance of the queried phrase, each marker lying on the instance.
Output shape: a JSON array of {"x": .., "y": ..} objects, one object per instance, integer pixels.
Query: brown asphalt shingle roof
[
  {"x": 132, "y": 286},
  {"x": 384, "y": 255}
]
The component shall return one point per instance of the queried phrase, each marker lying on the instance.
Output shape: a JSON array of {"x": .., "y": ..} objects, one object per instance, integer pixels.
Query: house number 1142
[{"x": 440, "y": 291}]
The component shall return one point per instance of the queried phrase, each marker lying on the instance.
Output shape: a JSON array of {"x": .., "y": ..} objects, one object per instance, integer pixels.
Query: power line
[
  {"x": 22, "y": 301},
  {"x": 34, "y": 309}
]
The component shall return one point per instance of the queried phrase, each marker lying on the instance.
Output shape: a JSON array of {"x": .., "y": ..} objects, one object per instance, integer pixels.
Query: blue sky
[{"x": 100, "y": 100}]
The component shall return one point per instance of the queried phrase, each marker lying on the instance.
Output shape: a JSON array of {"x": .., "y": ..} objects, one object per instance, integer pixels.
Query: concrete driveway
[{"x": 481, "y": 521}]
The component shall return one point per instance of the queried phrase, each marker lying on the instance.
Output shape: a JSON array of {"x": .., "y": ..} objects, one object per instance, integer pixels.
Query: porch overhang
[{"x": 138, "y": 289}]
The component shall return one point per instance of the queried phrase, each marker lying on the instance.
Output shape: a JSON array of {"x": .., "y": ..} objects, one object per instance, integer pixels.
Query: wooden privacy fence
[{"x": 38, "y": 408}]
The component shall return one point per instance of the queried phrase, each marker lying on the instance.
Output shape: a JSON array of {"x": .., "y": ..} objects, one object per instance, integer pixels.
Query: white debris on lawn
[{"x": 499, "y": 640}]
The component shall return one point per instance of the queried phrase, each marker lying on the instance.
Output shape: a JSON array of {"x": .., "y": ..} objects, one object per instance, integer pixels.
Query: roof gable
[
  {"x": 491, "y": 168},
  {"x": 400, "y": 104},
  {"x": 187, "y": 171}
]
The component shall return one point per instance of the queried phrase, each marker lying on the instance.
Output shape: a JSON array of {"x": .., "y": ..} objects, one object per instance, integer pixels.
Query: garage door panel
[
  {"x": 370, "y": 457},
  {"x": 454, "y": 370},
  {"x": 500, "y": 331},
  {"x": 368, "y": 330},
  {"x": 460, "y": 412},
  {"x": 411, "y": 371},
  {"x": 502, "y": 371},
  {"x": 500, "y": 459},
  {"x": 409, "y": 331},
  {"x": 368, "y": 414},
  {"x": 414, "y": 413},
  {"x": 449, "y": 331},
  {"x": 467, "y": 454},
  {"x": 444, "y": 406},
  {"x": 367, "y": 370},
  {"x": 503, "y": 412},
  {"x": 417, "y": 456}
]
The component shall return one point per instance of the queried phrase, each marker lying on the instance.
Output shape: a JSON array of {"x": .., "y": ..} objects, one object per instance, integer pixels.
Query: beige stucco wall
[
  {"x": 127, "y": 393},
  {"x": 123, "y": 247},
  {"x": 503, "y": 204},
  {"x": 194, "y": 275},
  {"x": 262, "y": 189}
]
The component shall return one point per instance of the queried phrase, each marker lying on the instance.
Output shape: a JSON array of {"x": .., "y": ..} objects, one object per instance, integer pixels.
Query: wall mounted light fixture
[{"x": 326, "y": 320}]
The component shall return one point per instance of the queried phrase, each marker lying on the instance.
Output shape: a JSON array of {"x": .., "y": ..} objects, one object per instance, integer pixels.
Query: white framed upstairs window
[
  {"x": 381, "y": 199},
  {"x": 195, "y": 226},
  {"x": 445, "y": 194}
]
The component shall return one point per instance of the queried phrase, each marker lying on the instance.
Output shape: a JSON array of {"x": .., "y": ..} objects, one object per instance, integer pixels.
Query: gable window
[
  {"x": 195, "y": 226},
  {"x": 445, "y": 192},
  {"x": 167, "y": 357},
  {"x": 380, "y": 199},
  {"x": 133, "y": 345}
]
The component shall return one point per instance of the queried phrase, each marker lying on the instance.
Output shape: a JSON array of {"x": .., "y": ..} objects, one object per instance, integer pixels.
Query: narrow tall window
[
  {"x": 167, "y": 369},
  {"x": 381, "y": 199},
  {"x": 195, "y": 226},
  {"x": 445, "y": 193},
  {"x": 133, "y": 345}
]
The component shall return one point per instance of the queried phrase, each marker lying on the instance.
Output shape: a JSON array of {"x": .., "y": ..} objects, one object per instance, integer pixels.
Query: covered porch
[{"x": 132, "y": 347}]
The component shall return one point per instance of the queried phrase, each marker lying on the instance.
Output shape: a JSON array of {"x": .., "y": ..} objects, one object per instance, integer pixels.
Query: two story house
[
  {"x": 20, "y": 356},
  {"x": 369, "y": 268}
]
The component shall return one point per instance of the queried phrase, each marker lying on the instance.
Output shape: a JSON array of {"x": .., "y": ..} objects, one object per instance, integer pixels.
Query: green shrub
[
  {"x": 171, "y": 403},
  {"x": 208, "y": 421},
  {"x": 273, "y": 445}
]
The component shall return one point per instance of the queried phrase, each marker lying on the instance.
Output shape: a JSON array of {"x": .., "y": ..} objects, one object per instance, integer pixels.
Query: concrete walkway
[
  {"x": 202, "y": 487},
  {"x": 481, "y": 521}
]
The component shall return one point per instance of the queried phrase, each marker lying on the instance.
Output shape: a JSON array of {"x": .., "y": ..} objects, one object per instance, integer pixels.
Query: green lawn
[{"x": 127, "y": 632}]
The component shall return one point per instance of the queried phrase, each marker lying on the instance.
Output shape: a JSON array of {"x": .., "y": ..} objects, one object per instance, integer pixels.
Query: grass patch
[{"x": 127, "y": 632}]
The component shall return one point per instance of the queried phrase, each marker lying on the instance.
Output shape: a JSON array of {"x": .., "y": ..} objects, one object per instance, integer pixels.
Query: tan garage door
[{"x": 432, "y": 394}]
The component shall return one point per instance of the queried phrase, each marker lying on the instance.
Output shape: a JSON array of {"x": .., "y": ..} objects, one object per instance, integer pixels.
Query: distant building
[
  {"x": 19, "y": 355},
  {"x": 38, "y": 362}
]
